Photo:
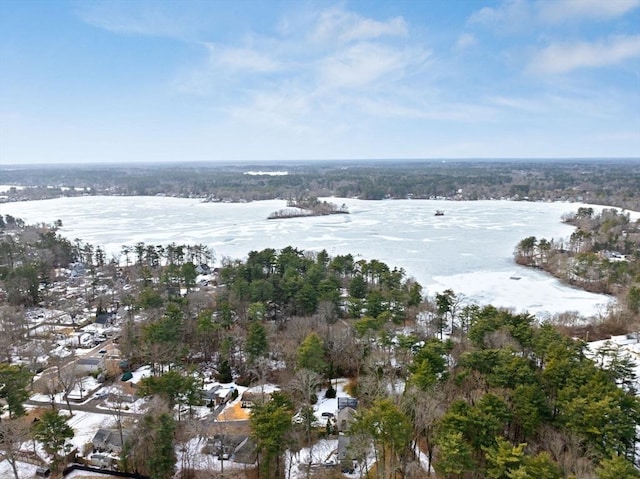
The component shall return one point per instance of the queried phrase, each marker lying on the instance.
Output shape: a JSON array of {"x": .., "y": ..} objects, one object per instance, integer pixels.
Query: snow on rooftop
[
  {"x": 263, "y": 389},
  {"x": 6, "y": 188}
]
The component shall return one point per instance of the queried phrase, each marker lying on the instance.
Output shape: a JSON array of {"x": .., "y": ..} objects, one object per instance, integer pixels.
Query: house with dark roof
[
  {"x": 347, "y": 402},
  {"x": 110, "y": 440},
  {"x": 203, "y": 269},
  {"x": 104, "y": 319},
  {"x": 90, "y": 364},
  {"x": 224, "y": 445},
  {"x": 211, "y": 393}
]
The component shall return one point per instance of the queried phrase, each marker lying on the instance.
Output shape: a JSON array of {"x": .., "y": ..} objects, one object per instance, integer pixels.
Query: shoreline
[
  {"x": 214, "y": 200},
  {"x": 469, "y": 250}
]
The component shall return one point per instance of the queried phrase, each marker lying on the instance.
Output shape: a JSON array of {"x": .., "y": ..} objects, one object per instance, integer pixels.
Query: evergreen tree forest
[{"x": 475, "y": 392}]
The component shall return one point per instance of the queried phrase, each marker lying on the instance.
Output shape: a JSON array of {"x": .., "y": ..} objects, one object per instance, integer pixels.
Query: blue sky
[{"x": 124, "y": 81}]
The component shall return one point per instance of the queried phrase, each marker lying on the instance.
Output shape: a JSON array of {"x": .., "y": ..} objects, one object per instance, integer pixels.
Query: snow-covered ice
[{"x": 469, "y": 250}]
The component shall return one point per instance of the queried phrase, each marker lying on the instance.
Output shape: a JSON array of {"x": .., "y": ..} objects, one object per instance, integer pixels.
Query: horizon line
[{"x": 317, "y": 160}]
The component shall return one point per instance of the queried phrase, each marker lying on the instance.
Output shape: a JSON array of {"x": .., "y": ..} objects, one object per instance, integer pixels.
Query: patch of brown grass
[
  {"x": 235, "y": 413},
  {"x": 352, "y": 387}
]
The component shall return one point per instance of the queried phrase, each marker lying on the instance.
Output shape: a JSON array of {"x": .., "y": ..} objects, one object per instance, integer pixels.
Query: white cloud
[
  {"x": 363, "y": 64},
  {"x": 336, "y": 24},
  {"x": 223, "y": 63},
  {"x": 324, "y": 76},
  {"x": 561, "y": 58},
  {"x": 285, "y": 108},
  {"x": 431, "y": 109},
  {"x": 511, "y": 15},
  {"x": 366, "y": 69},
  {"x": 570, "y": 10},
  {"x": 466, "y": 40},
  {"x": 527, "y": 105},
  {"x": 242, "y": 59},
  {"x": 367, "y": 28},
  {"x": 591, "y": 104},
  {"x": 516, "y": 15},
  {"x": 138, "y": 18}
]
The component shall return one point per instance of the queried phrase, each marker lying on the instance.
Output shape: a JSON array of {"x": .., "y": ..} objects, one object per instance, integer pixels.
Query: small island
[{"x": 310, "y": 206}]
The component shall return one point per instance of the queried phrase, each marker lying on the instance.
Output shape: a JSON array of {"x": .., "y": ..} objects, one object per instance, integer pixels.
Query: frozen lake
[{"x": 469, "y": 249}]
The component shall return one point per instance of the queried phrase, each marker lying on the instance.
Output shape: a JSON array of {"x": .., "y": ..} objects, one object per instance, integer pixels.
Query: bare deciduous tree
[{"x": 13, "y": 433}]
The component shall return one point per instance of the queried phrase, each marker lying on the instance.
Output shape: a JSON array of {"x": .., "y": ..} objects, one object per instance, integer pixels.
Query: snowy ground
[
  {"x": 85, "y": 474},
  {"x": 85, "y": 425},
  {"x": 629, "y": 344},
  {"x": 5, "y": 188},
  {"x": 25, "y": 471},
  {"x": 323, "y": 454},
  {"x": 325, "y": 405},
  {"x": 190, "y": 455}
]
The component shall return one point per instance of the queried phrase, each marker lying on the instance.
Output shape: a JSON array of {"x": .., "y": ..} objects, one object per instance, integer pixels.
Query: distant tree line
[{"x": 608, "y": 182}]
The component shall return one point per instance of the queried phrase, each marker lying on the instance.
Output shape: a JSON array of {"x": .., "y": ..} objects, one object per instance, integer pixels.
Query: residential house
[
  {"x": 246, "y": 452},
  {"x": 345, "y": 418},
  {"x": 258, "y": 394},
  {"x": 90, "y": 364},
  {"x": 112, "y": 360},
  {"x": 104, "y": 319},
  {"x": 224, "y": 445},
  {"x": 203, "y": 269},
  {"x": 100, "y": 459},
  {"x": 210, "y": 394},
  {"x": 110, "y": 440},
  {"x": 77, "y": 269},
  {"x": 343, "y": 448},
  {"x": 224, "y": 395},
  {"x": 347, "y": 402}
]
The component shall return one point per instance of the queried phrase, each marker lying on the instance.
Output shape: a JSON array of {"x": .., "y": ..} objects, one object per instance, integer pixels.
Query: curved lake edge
[{"x": 468, "y": 250}]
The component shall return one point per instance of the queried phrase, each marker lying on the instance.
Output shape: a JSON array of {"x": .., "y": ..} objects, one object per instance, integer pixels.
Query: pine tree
[
  {"x": 257, "y": 344},
  {"x": 311, "y": 354},
  {"x": 162, "y": 460},
  {"x": 270, "y": 423}
]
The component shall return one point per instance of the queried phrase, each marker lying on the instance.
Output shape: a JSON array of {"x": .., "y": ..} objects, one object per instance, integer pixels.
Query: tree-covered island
[{"x": 310, "y": 206}]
